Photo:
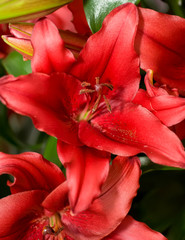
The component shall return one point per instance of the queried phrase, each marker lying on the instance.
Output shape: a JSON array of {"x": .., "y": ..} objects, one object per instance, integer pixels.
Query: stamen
[
  {"x": 107, "y": 85},
  {"x": 47, "y": 230},
  {"x": 54, "y": 229},
  {"x": 85, "y": 84},
  {"x": 96, "y": 104},
  {"x": 98, "y": 88},
  {"x": 97, "y": 80},
  {"x": 87, "y": 91},
  {"x": 107, "y": 104}
]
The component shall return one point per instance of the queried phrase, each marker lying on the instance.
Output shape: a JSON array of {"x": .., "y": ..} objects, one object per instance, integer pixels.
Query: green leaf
[
  {"x": 21, "y": 10},
  {"x": 2, "y": 70},
  {"x": 51, "y": 151},
  {"x": 177, "y": 7},
  {"x": 97, "y": 10},
  {"x": 15, "y": 65},
  {"x": 160, "y": 199},
  {"x": 4, "y": 189},
  {"x": 6, "y": 131},
  {"x": 177, "y": 232}
]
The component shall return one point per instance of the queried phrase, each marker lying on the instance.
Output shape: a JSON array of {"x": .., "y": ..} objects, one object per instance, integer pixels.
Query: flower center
[
  {"x": 96, "y": 98},
  {"x": 54, "y": 229}
]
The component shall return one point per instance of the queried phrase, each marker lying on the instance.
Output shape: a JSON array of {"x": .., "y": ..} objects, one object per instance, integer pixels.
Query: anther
[
  {"x": 85, "y": 84},
  {"x": 96, "y": 104},
  {"x": 98, "y": 88},
  {"x": 47, "y": 230},
  {"x": 87, "y": 91},
  {"x": 107, "y": 104},
  {"x": 107, "y": 85}
]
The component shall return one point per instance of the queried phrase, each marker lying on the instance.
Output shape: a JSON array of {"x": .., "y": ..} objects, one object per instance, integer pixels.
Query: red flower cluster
[{"x": 40, "y": 209}]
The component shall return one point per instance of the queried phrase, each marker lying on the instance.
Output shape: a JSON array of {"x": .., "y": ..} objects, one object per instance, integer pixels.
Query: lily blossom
[
  {"x": 158, "y": 50},
  {"x": 38, "y": 207},
  {"x": 170, "y": 109},
  {"x": 87, "y": 103}
]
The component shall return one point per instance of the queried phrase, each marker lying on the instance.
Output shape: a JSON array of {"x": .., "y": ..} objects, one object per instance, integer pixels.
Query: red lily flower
[
  {"x": 168, "y": 108},
  {"x": 89, "y": 102},
  {"x": 158, "y": 50},
  {"x": 38, "y": 207}
]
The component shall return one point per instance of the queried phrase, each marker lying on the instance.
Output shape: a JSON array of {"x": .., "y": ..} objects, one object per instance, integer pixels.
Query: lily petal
[
  {"x": 109, "y": 59},
  {"x": 31, "y": 172},
  {"x": 50, "y": 55},
  {"x": 168, "y": 108},
  {"x": 122, "y": 127},
  {"x": 79, "y": 18},
  {"x": 111, "y": 207},
  {"x": 57, "y": 199},
  {"x": 18, "y": 213},
  {"x": 62, "y": 18},
  {"x": 54, "y": 98},
  {"x": 87, "y": 170},
  {"x": 131, "y": 229},
  {"x": 158, "y": 50}
]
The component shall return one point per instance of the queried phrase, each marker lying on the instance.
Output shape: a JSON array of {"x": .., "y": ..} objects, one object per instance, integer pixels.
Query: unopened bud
[
  {"x": 22, "y": 10},
  {"x": 21, "y": 39},
  {"x": 22, "y": 46}
]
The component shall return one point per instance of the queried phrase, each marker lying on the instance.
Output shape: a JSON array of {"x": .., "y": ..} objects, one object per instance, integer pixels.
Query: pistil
[{"x": 54, "y": 229}]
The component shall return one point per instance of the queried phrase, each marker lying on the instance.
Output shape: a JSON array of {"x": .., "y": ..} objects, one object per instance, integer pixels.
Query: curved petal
[
  {"x": 30, "y": 171},
  {"x": 79, "y": 18},
  {"x": 50, "y": 55},
  {"x": 102, "y": 142},
  {"x": 112, "y": 59},
  {"x": 168, "y": 108},
  {"x": 62, "y": 18},
  {"x": 136, "y": 130},
  {"x": 19, "y": 213},
  {"x": 57, "y": 199},
  {"x": 51, "y": 101},
  {"x": 110, "y": 208},
  {"x": 131, "y": 229},
  {"x": 87, "y": 170},
  {"x": 158, "y": 50}
]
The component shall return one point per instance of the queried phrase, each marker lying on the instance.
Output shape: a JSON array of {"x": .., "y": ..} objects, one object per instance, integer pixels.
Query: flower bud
[
  {"x": 22, "y": 10},
  {"x": 21, "y": 39},
  {"x": 23, "y": 46}
]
